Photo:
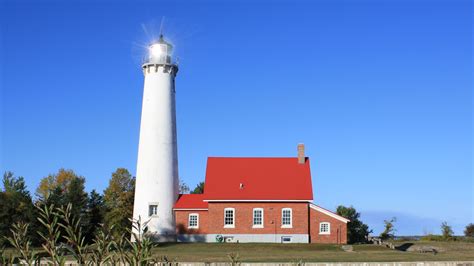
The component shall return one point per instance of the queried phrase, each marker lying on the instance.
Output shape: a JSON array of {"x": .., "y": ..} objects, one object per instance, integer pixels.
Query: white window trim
[
  {"x": 253, "y": 218},
  {"x": 197, "y": 220},
  {"x": 233, "y": 218},
  {"x": 331, "y": 214},
  {"x": 151, "y": 204},
  {"x": 291, "y": 218},
  {"x": 329, "y": 228}
]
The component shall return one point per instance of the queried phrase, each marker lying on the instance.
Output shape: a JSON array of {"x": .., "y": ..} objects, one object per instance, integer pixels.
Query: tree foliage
[
  {"x": 357, "y": 231},
  {"x": 16, "y": 204},
  {"x": 183, "y": 187},
  {"x": 446, "y": 230},
  {"x": 95, "y": 215},
  {"x": 469, "y": 231},
  {"x": 118, "y": 199},
  {"x": 388, "y": 232},
  {"x": 199, "y": 189},
  {"x": 52, "y": 182}
]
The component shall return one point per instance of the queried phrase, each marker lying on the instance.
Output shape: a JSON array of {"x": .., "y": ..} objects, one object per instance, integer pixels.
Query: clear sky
[{"x": 379, "y": 91}]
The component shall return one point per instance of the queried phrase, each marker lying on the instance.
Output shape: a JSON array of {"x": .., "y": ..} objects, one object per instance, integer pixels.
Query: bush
[
  {"x": 469, "y": 231},
  {"x": 431, "y": 237}
]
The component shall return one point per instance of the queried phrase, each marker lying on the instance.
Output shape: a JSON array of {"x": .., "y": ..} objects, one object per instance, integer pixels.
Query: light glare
[{"x": 156, "y": 50}]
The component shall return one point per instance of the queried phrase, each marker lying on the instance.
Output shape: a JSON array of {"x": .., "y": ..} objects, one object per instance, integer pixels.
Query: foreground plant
[
  {"x": 4, "y": 259},
  {"x": 21, "y": 241},
  {"x": 120, "y": 253},
  {"x": 140, "y": 243},
  {"x": 76, "y": 241},
  {"x": 234, "y": 258},
  {"x": 49, "y": 218},
  {"x": 101, "y": 249},
  {"x": 163, "y": 261}
]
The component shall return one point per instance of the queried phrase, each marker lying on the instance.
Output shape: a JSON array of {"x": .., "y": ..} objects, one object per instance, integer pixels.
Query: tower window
[
  {"x": 324, "y": 228},
  {"x": 193, "y": 220},
  {"x": 152, "y": 210},
  {"x": 258, "y": 218},
  {"x": 229, "y": 217},
  {"x": 286, "y": 218}
]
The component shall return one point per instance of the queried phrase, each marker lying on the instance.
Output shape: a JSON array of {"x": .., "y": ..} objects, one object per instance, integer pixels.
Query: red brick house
[{"x": 257, "y": 200}]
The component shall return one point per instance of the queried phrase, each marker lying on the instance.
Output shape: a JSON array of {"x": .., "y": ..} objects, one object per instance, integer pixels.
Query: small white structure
[{"x": 156, "y": 189}]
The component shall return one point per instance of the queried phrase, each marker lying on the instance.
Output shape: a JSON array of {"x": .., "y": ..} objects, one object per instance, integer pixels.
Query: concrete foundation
[{"x": 245, "y": 238}]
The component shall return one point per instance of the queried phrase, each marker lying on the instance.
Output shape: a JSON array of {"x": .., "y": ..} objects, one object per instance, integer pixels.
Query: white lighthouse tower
[{"x": 156, "y": 187}]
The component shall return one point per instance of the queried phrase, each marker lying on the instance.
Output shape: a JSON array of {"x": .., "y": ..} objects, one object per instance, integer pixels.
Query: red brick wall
[
  {"x": 271, "y": 220},
  {"x": 182, "y": 222},
  {"x": 338, "y": 229}
]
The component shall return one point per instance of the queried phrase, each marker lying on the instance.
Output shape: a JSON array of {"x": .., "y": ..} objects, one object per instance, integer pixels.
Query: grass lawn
[{"x": 213, "y": 252}]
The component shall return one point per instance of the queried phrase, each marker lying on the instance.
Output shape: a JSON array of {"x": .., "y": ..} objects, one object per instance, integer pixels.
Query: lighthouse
[{"x": 156, "y": 188}]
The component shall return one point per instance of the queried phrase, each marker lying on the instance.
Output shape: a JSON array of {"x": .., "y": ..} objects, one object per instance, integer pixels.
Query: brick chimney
[{"x": 301, "y": 157}]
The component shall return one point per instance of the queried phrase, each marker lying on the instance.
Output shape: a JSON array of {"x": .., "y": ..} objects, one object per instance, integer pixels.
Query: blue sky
[{"x": 379, "y": 91}]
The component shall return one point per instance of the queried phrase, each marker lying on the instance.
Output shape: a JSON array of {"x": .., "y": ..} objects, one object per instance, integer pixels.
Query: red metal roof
[
  {"x": 257, "y": 179},
  {"x": 190, "y": 201}
]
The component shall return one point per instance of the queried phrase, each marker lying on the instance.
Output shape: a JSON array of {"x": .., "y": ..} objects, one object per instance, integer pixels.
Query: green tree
[
  {"x": 389, "y": 230},
  {"x": 446, "y": 231},
  {"x": 469, "y": 231},
  {"x": 118, "y": 199},
  {"x": 77, "y": 197},
  {"x": 199, "y": 189},
  {"x": 357, "y": 231},
  {"x": 95, "y": 215},
  {"x": 16, "y": 204}
]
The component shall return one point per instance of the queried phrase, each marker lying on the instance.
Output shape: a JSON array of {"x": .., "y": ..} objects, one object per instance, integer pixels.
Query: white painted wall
[
  {"x": 244, "y": 238},
  {"x": 157, "y": 166}
]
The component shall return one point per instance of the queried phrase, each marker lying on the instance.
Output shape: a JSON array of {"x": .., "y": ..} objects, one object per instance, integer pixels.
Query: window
[
  {"x": 152, "y": 210},
  {"x": 229, "y": 217},
  {"x": 258, "y": 218},
  {"x": 286, "y": 218},
  {"x": 324, "y": 228},
  {"x": 286, "y": 239},
  {"x": 193, "y": 221}
]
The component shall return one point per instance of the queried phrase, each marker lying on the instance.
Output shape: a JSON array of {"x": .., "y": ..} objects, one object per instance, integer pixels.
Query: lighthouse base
[{"x": 163, "y": 238}]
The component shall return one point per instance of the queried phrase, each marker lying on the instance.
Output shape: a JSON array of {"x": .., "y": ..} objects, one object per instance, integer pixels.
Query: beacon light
[{"x": 156, "y": 50}]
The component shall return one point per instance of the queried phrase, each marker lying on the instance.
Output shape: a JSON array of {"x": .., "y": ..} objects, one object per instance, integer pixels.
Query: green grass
[{"x": 213, "y": 252}]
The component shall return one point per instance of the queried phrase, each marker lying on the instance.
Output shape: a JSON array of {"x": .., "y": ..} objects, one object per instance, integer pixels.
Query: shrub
[
  {"x": 469, "y": 231},
  {"x": 431, "y": 237},
  {"x": 446, "y": 230}
]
